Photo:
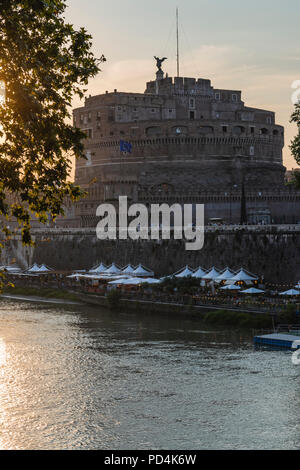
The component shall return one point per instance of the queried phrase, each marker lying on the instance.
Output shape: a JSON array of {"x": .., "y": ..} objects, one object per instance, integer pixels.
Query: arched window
[{"x": 179, "y": 130}]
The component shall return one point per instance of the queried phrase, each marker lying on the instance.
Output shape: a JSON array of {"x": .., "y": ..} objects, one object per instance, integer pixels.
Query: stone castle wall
[{"x": 268, "y": 251}]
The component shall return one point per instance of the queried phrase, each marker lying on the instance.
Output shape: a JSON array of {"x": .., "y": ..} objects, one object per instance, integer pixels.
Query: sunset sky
[{"x": 249, "y": 46}]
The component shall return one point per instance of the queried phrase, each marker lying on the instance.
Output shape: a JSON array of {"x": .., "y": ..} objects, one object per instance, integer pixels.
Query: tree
[
  {"x": 295, "y": 144},
  {"x": 44, "y": 63}
]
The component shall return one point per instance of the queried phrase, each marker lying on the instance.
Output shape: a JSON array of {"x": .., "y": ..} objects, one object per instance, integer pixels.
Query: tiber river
[{"x": 76, "y": 377}]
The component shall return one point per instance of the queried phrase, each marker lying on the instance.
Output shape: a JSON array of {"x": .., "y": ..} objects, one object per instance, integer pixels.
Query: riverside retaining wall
[{"x": 270, "y": 251}]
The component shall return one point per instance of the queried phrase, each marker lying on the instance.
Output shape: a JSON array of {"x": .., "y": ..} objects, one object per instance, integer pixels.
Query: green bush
[
  {"x": 113, "y": 299},
  {"x": 240, "y": 319}
]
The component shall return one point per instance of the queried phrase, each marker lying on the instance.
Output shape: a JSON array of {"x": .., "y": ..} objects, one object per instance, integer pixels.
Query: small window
[
  {"x": 269, "y": 120},
  {"x": 252, "y": 130},
  {"x": 225, "y": 128},
  {"x": 192, "y": 115},
  {"x": 218, "y": 96},
  {"x": 192, "y": 103},
  {"x": 234, "y": 97},
  {"x": 152, "y": 110},
  {"x": 264, "y": 131}
]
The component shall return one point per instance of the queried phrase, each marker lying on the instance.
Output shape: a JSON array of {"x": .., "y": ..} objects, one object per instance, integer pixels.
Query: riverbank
[{"x": 205, "y": 314}]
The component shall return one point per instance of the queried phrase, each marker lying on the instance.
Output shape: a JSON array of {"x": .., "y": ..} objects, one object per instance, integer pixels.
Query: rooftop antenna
[{"x": 177, "y": 38}]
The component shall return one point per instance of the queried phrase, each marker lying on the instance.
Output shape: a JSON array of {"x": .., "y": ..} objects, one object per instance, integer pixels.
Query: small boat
[{"x": 285, "y": 336}]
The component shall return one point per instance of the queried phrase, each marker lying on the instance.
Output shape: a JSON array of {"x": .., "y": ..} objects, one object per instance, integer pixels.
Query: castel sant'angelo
[{"x": 184, "y": 141}]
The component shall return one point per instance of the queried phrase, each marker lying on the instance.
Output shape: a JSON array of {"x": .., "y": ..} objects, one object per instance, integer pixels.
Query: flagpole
[{"x": 177, "y": 40}]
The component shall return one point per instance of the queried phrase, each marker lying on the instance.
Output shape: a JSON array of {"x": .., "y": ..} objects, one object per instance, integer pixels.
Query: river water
[{"x": 76, "y": 377}]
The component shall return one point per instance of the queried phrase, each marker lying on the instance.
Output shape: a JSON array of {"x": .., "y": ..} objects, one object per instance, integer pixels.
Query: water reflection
[{"x": 75, "y": 377}]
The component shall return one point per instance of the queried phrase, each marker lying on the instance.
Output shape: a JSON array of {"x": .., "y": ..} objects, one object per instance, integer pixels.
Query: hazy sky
[{"x": 251, "y": 46}]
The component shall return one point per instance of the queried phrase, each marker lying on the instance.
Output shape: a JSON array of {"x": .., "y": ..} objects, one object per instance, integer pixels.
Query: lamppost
[{"x": 230, "y": 209}]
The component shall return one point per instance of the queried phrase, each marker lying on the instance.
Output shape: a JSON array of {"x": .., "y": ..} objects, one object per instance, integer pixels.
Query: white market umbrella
[
  {"x": 242, "y": 275},
  {"x": 142, "y": 271},
  {"x": 252, "y": 290},
  {"x": 117, "y": 281},
  {"x": 231, "y": 287},
  {"x": 150, "y": 280},
  {"x": 212, "y": 274},
  {"x": 134, "y": 281},
  {"x": 185, "y": 272},
  {"x": 199, "y": 273},
  {"x": 290, "y": 292}
]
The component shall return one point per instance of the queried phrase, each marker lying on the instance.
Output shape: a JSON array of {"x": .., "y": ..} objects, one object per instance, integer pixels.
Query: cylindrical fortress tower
[{"x": 183, "y": 137}]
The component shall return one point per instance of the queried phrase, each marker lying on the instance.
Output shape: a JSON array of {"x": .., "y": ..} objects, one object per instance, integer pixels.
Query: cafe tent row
[
  {"x": 36, "y": 269},
  {"x": 134, "y": 281}
]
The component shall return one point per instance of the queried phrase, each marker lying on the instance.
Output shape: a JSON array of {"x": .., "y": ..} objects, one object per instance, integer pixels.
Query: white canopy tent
[
  {"x": 113, "y": 269},
  {"x": 252, "y": 290},
  {"x": 98, "y": 269},
  {"x": 225, "y": 275},
  {"x": 212, "y": 274},
  {"x": 129, "y": 269},
  {"x": 242, "y": 275},
  {"x": 185, "y": 272},
  {"x": 199, "y": 273},
  {"x": 44, "y": 269},
  {"x": 34, "y": 268},
  {"x": 290, "y": 292},
  {"x": 142, "y": 271}
]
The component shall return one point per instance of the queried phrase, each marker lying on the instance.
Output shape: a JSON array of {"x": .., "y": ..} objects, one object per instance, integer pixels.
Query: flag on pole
[{"x": 125, "y": 146}]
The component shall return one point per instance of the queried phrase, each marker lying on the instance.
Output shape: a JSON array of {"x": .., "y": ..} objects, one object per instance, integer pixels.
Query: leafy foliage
[
  {"x": 295, "y": 144},
  {"x": 44, "y": 63}
]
